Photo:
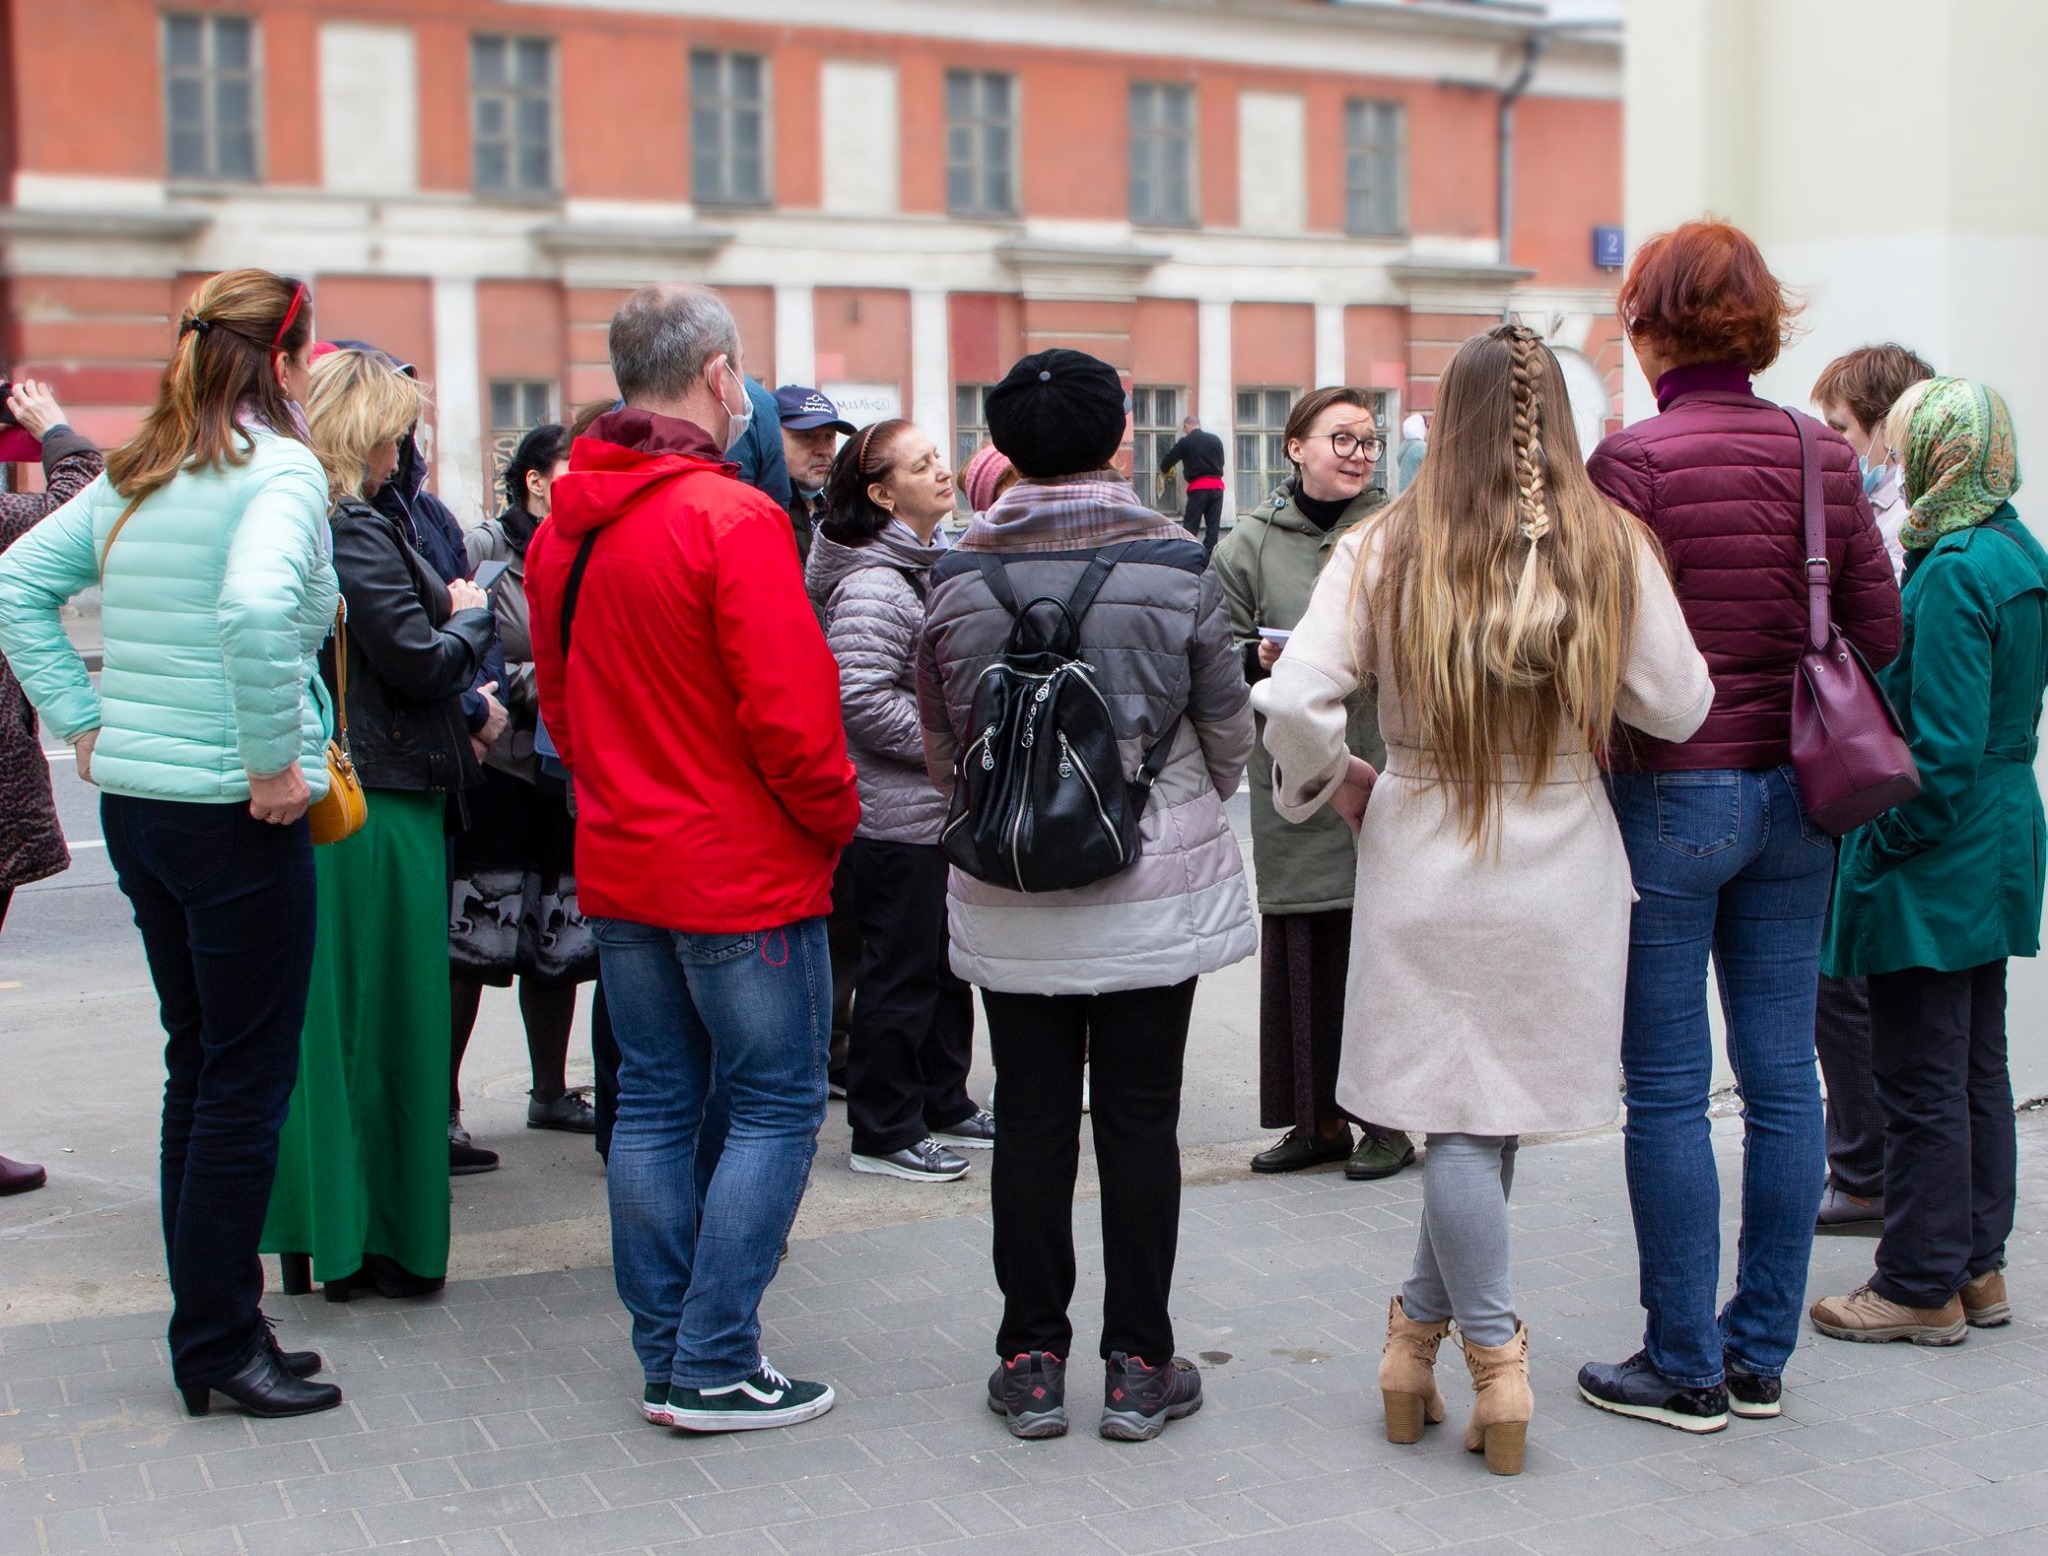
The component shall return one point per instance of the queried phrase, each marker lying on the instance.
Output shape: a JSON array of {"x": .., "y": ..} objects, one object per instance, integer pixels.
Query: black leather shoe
[
  {"x": 262, "y": 1388},
  {"x": 300, "y": 1364},
  {"x": 387, "y": 1277},
  {"x": 20, "y": 1177},
  {"x": 1304, "y": 1148}
]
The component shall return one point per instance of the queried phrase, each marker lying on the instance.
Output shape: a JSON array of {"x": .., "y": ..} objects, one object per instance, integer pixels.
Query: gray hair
[
  {"x": 1191, "y": 422},
  {"x": 662, "y": 336}
]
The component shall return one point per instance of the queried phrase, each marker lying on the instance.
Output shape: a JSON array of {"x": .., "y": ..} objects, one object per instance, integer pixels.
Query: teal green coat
[
  {"x": 1268, "y": 566},
  {"x": 217, "y": 594},
  {"x": 1953, "y": 879}
]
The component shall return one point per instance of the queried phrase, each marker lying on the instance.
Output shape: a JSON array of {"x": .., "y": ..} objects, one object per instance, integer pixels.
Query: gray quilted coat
[
  {"x": 1159, "y": 641},
  {"x": 873, "y": 613}
]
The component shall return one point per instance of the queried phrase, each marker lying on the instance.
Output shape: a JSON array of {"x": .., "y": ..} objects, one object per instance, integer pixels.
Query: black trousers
[
  {"x": 842, "y": 934},
  {"x": 913, "y": 1019},
  {"x": 1841, "y": 1035},
  {"x": 1203, "y": 515},
  {"x": 1134, "y": 1043},
  {"x": 1937, "y": 1043},
  {"x": 225, "y": 904}
]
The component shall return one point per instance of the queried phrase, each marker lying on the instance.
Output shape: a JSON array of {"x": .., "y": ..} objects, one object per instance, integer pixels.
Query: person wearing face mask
[
  {"x": 686, "y": 684},
  {"x": 1854, "y": 393},
  {"x": 1307, "y": 874},
  {"x": 913, "y": 1018}
]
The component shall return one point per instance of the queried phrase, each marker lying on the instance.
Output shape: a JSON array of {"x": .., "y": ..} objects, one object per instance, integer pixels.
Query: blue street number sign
[{"x": 1608, "y": 248}]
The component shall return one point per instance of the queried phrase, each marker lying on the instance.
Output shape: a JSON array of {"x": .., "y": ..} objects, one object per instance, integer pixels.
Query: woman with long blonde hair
[
  {"x": 1513, "y": 621},
  {"x": 362, "y": 1180}
]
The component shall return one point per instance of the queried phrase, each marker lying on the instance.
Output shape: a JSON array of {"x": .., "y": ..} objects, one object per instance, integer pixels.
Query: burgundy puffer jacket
[{"x": 1716, "y": 475}]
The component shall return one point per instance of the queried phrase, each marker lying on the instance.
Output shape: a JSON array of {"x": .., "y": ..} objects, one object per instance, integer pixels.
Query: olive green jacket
[
  {"x": 1953, "y": 879},
  {"x": 1268, "y": 566}
]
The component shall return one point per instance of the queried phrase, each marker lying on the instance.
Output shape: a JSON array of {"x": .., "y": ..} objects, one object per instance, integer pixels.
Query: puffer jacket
[
  {"x": 216, "y": 595},
  {"x": 1716, "y": 476},
  {"x": 410, "y": 658},
  {"x": 1159, "y": 640},
  {"x": 504, "y": 539},
  {"x": 872, "y": 599},
  {"x": 31, "y": 842}
]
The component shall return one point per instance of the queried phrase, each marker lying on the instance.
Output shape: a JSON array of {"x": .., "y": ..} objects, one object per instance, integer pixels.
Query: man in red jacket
[{"x": 691, "y": 694}]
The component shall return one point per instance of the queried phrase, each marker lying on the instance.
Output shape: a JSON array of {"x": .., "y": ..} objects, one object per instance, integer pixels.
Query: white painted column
[
  {"x": 458, "y": 399},
  {"x": 931, "y": 366},
  {"x": 796, "y": 336},
  {"x": 1330, "y": 368},
  {"x": 1215, "y": 390}
]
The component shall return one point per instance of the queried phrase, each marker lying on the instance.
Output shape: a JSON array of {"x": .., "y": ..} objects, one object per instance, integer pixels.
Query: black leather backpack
[{"x": 1040, "y": 801}]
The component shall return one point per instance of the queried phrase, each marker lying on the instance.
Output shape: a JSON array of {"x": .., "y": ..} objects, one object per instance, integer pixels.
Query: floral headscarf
[{"x": 1960, "y": 463}]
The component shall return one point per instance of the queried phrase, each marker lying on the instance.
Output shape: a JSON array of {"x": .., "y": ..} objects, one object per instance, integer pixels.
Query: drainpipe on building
[{"x": 1532, "y": 50}]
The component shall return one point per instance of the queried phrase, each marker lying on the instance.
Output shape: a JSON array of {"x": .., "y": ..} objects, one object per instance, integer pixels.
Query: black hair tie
[{"x": 203, "y": 326}]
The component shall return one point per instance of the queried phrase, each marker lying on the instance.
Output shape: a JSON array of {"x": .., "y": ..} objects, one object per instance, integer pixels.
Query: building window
[
  {"x": 1155, "y": 428},
  {"x": 517, "y": 406},
  {"x": 512, "y": 93},
  {"x": 1262, "y": 461},
  {"x": 970, "y": 425},
  {"x": 728, "y": 128},
  {"x": 1375, "y": 167},
  {"x": 210, "y": 96},
  {"x": 981, "y": 143},
  {"x": 1162, "y": 154}
]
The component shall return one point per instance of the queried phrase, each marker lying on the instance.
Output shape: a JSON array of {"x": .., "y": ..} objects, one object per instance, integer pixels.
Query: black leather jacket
[{"x": 409, "y": 659}]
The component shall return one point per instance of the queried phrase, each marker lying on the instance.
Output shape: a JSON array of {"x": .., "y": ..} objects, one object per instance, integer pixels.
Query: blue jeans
[
  {"x": 1724, "y": 861},
  {"x": 226, "y": 907},
  {"x": 696, "y": 1234}
]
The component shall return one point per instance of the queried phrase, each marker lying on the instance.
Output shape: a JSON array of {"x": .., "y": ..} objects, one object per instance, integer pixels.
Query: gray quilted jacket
[
  {"x": 1159, "y": 640},
  {"x": 872, "y": 614}
]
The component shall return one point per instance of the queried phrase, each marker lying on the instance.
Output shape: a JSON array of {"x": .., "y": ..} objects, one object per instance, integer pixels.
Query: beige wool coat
[{"x": 1485, "y": 987}]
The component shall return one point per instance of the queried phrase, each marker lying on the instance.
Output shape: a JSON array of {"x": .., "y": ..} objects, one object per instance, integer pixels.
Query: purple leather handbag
[{"x": 1849, "y": 751}]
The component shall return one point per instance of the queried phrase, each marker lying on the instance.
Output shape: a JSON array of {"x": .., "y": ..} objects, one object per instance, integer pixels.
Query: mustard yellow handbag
[{"x": 341, "y": 812}]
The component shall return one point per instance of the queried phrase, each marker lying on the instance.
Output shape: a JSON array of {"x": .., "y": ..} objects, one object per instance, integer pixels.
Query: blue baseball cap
[{"x": 803, "y": 409}]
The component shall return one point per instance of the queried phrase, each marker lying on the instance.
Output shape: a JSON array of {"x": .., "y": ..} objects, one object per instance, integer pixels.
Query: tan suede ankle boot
[
  {"x": 1501, "y": 1402},
  {"x": 1408, "y": 1374}
]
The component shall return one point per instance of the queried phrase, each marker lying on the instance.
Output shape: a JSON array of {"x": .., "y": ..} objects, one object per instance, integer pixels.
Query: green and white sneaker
[
  {"x": 766, "y": 1399},
  {"x": 654, "y": 1405}
]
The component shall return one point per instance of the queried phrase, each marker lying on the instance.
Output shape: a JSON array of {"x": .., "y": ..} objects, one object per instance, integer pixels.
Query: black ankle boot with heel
[{"x": 263, "y": 1388}]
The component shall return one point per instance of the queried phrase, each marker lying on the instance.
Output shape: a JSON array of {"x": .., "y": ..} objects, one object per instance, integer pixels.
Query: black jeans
[
  {"x": 1841, "y": 1036},
  {"x": 912, "y": 1036},
  {"x": 226, "y": 908},
  {"x": 1134, "y": 1042},
  {"x": 842, "y": 936},
  {"x": 1203, "y": 515},
  {"x": 1937, "y": 1044}
]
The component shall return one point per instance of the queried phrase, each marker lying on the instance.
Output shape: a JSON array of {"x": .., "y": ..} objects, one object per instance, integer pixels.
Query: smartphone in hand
[{"x": 490, "y": 573}]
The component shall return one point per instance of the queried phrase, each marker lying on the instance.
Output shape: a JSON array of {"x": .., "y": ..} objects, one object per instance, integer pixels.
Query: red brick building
[{"x": 1232, "y": 200}]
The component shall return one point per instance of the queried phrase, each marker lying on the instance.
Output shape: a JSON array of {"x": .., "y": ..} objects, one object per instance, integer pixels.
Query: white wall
[
  {"x": 1272, "y": 162},
  {"x": 859, "y": 123},
  {"x": 369, "y": 109}
]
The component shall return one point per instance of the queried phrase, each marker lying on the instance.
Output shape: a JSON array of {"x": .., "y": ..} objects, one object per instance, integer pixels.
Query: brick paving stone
[{"x": 500, "y": 1418}]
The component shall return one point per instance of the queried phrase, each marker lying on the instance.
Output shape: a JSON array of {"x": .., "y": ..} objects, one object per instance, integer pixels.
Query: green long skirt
[{"x": 363, "y": 1162}]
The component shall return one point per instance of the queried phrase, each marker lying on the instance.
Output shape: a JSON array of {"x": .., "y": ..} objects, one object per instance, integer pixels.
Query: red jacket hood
[{"x": 624, "y": 455}]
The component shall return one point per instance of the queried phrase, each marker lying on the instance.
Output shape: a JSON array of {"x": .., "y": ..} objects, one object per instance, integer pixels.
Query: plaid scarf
[
  {"x": 1068, "y": 513},
  {"x": 1961, "y": 466}
]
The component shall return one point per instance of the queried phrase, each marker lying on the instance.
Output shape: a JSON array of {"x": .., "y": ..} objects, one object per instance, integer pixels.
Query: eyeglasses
[{"x": 1348, "y": 445}]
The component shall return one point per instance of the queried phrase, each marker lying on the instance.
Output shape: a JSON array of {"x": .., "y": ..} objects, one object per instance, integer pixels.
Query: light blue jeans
[{"x": 748, "y": 1016}]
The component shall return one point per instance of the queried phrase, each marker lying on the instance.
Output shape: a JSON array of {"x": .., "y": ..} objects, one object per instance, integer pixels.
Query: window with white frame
[
  {"x": 970, "y": 424},
  {"x": 981, "y": 143},
  {"x": 728, "y": 128},
  {"x": 1262, "y": 463},
  {"x": 512, "y": 114},
  {"x": 210, "y": 97},
  {"x": 1375, "y": 168},
  {"x": 1162, "y": 154},
  {"x": 517, "y": 406},
  {"x": 1155, "y": 428}
]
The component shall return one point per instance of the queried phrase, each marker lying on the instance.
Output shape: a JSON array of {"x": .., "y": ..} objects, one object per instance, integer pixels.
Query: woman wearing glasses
[{"x": 1268, "y": 566}]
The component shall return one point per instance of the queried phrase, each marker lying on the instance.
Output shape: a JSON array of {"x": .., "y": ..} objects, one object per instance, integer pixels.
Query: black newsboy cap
[{"x": 1058, "y": 412}]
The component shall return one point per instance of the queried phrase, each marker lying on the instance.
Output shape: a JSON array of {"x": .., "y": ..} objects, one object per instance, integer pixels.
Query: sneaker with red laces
[
  {"x": 1138, "y": 1400},
  {"x": 1030, "y": 1393}
]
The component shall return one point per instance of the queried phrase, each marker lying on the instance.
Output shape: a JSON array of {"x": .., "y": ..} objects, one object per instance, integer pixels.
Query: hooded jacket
[
  {"x": 697, "y": 707},
  {"x": 872, "y": 599}
]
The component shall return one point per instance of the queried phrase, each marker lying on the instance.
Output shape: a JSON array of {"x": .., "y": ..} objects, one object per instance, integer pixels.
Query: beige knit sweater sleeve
[
  {"x": 1303, "y": 699},
  {"x": 1666, "y": 689}
]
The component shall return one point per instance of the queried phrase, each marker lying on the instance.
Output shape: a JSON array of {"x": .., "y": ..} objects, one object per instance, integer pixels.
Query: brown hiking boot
[
  {"x": 1984, "y": 1304},
  {"x": 1408, "y": 1374},
  {"x": 1864, "y": 1315}
]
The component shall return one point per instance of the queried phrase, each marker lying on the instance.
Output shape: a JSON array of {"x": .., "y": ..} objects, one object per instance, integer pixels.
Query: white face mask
[{"x": 737, "y": 421}]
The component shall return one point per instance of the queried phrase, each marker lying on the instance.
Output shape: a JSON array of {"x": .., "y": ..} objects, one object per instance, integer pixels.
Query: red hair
[{"x": 1702, "y": 293}]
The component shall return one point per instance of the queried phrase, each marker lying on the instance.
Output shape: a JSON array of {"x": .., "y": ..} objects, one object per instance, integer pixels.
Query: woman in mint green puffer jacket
[{"x": 208, "y": 535}]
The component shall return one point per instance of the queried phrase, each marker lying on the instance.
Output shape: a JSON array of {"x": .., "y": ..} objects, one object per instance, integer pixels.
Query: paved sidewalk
[{"x": 501, "y": 1418}]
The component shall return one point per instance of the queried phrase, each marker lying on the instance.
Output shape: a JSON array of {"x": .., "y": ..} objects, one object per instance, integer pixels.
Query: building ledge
[
  {"x": 1045, "y": 254},
  {"x": 685, "y": 240},
  {"x": 171, "y": 224},
  {"x": 1457, "y": 272}
]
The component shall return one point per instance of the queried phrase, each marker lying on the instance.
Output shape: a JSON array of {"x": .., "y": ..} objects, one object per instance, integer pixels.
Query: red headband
[{"x": 291, "y": 313}]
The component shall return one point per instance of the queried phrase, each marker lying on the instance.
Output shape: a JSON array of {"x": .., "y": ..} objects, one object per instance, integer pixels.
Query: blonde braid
[{"x": 1532, "y": 511}]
